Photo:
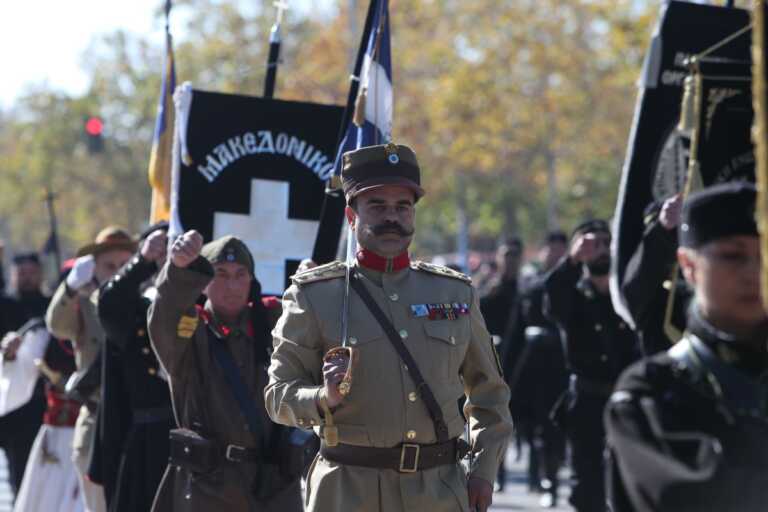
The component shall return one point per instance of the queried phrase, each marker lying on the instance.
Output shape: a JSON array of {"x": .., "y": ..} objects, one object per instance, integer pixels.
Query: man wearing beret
[
  {"x": 687, "y": 428},
  {"x": 223, "y": 456},
  {"x": 598, "y": 346},
  {"x": 417, "y": 343},
  {"x": 72, "y": 316}
]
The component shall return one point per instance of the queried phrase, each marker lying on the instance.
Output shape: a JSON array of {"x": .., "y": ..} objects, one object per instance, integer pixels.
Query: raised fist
[
  {"x": 81, "y": 273},
  {"x": 585, "y": 248},
  {"x": 155, "y": 246},
  {"x": 669, "y": 216},
  {"x": 186, "y": 248}
]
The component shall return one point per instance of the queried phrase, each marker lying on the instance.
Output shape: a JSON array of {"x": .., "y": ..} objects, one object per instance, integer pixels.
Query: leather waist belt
[
  {"x": 406, "y": 458},
  {"x": 590, "y": 386},
  {"x": 151, "y": 415}
]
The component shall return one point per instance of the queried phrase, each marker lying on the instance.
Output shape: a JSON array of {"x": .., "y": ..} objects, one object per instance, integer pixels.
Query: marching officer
[
  {"x": 385, "y": 405},
  {"x": 598, "y": 346},
  {"x": 688, "y": 427},
  {"x": 226, "y": 453}
]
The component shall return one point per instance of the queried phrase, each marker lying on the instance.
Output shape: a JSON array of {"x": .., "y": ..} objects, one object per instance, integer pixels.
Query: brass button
[
  {"x": 598, "y": 327},
  {"x": 403, "y": 333},
  {"x": 412, "y": 396},
  {"x": 152, "y": 371},
  {"x": 145, "y": 350},
  {"x": 394, "y": 297},
  {"x": 353, "y": 340},
  {"x": 410, "y": 435},
  {"x": 141, "y": 332}
]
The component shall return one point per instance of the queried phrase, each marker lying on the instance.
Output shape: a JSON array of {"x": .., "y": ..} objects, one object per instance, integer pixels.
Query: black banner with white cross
[{"x": 254, "y": 168}]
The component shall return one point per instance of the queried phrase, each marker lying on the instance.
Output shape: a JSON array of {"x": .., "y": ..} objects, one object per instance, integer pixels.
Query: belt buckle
[
  {"x": 235, "y": 453},
  {"x": 405, "y": 447}
]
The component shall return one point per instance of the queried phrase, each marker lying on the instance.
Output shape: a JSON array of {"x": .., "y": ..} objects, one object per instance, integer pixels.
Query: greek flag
[{"x": 368, "y": 119}]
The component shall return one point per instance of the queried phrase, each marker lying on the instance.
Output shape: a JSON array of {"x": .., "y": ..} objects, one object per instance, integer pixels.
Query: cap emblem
[{"x": 392, "y": 156}]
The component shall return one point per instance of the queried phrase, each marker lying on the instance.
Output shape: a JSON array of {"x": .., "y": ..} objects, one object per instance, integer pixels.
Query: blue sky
[{"x": 43, "y": 40}]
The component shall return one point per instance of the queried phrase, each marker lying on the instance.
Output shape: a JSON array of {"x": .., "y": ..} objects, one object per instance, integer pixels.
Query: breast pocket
[{"x": 448, "y": 340}]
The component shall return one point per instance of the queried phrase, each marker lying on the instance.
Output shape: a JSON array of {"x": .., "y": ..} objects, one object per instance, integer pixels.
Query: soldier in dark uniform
[
  {"x": 499, "y": 304},
  {"x": 225, "y": 455},
  {"x": 135, "y": 414},
  {"x": 27, "y": 281},
  {"x": 538, "y": 376},
  {"x": 599, "y": 345},
  {"x": 688, "y": 428},
  {"x": 648, "y": 278}
]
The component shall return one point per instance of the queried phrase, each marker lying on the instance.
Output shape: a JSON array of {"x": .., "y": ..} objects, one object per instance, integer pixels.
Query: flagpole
[
  {"x": 273, "y": 59},
  {"x": 50, "y": 197}
]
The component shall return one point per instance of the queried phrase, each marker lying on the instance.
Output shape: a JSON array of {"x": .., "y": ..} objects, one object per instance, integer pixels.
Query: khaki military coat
[
  {"x": 455, "y": 356},
  {"x": 204, "y": 402},
  {"x": 76, "y": 318}
]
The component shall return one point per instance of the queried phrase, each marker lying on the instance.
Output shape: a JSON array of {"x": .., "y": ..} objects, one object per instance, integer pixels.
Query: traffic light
[{"x": 94, "y": 139}]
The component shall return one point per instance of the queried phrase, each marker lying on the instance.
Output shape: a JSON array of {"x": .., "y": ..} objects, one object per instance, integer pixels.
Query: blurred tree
[{"x": 507, "y": 98}]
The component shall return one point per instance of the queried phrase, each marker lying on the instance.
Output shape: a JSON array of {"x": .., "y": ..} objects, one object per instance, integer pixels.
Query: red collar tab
[
  {"x": 373, "y": 261},
  {"x": 222, "y": 331}
]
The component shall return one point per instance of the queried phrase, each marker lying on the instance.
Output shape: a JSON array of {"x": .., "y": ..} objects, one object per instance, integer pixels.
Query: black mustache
[{"x": 391, "y": 227}]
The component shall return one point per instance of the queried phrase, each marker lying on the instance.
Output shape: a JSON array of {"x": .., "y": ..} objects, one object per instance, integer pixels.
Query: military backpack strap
[
  {"x": 236, "y": 384},
  {"x": 435, "y": 412}
]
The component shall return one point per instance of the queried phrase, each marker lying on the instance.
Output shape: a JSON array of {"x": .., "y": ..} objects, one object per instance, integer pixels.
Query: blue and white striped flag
[{"x": 371, "y": 108}]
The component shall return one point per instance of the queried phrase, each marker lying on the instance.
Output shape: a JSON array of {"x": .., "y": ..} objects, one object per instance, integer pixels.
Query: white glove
[{"x": 81, "y": 273}]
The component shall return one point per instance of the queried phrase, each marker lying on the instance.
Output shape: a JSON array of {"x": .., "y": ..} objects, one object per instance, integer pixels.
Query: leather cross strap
[{"x": 435, "y": 412}]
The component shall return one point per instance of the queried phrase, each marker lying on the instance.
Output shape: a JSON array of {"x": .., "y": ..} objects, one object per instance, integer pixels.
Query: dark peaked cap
[
  {"x": 717, "y": 212},
  {"x": 228, "y": 249},
  {"x": 377, "y": 166}
]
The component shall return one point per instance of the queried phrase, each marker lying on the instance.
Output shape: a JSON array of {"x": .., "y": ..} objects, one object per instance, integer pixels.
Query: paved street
[{"x": 516, "y": 497}]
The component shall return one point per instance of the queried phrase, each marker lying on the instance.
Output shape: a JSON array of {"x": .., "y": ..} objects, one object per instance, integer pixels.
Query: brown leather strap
[
  {"x": 435, "y": 412},
  {"x": 406, "y": 458}
]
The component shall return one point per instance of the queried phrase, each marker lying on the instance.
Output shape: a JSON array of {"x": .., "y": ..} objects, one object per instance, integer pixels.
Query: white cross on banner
[{"x": 268, "y": 231}]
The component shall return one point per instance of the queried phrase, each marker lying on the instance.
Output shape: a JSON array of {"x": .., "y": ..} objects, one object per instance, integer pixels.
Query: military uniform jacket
[
  {"x": 454, "y": 353},
  {"x": 644, "y": 287},
  {"x": 75, "y": 318},
  {"x": 202, "y": 399},
  {"x": 599, "y": 345},
  {"x": 688, "y": 440},
  {"x": 135, "y": 415}
]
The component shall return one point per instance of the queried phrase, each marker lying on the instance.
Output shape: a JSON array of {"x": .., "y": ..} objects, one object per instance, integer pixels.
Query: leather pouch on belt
[
  {"x": 191, "y": 451},
  {"x": 345, "y": 386}
]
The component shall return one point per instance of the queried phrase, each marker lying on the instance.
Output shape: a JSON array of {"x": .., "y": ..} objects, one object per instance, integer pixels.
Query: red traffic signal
[{"x": 94, "y": 126}]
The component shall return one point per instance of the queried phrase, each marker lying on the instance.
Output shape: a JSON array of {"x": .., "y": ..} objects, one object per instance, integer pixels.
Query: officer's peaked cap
[
  {"x": 718, "y": 211},
  {"x": 378, "y": 166}
]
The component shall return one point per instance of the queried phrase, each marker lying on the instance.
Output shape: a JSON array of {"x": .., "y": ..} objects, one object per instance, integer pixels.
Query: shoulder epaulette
[
  {"x": 440, "y": 270},
  {"x": 330, "y": 270}
]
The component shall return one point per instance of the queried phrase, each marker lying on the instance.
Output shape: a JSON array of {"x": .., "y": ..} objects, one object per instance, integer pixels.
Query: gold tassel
[
  {"x": 759, "y": 134},
  {"x": 359, "y": 116},
  {"x": 687, "y": 109}
]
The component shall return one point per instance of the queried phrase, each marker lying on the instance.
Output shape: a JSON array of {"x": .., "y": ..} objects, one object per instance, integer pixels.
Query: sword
[{"x": 344, "y": 386}]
